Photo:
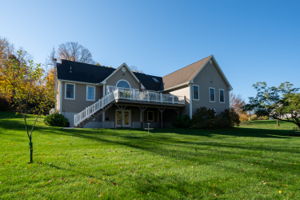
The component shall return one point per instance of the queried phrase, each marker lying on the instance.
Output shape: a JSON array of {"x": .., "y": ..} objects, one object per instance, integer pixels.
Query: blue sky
[{"x": 251, "y": 40}]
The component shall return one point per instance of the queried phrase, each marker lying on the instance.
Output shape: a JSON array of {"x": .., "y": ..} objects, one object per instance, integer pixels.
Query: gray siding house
[{"x": 105, "y": 97}]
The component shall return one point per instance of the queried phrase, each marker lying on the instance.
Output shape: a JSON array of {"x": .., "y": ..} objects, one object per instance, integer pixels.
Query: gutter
[{"x": 82, "y": 82}]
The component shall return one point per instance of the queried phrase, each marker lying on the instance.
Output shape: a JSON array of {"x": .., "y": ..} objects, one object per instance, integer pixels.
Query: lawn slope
[{"x": 255, "y": 161}]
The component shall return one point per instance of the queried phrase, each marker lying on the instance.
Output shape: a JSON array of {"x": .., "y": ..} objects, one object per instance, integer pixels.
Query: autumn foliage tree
[
  {"x": 29, "y": 97},
  {"x": 237, "y": 104},
  {"x": 26, "y": 88}
]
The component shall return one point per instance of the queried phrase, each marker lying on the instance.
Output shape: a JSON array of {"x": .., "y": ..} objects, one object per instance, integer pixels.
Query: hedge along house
[{"x": 104, "y": 97}]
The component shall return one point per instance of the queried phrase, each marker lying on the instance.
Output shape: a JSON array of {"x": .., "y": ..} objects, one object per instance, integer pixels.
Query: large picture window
[
  {"x": 212, "y": 94},
  {"x": 195, "y": 91},
  {"x": 90, "y": 93},
  {"x": 221, "y": 96},
  {"x": 70, "y": 91}
]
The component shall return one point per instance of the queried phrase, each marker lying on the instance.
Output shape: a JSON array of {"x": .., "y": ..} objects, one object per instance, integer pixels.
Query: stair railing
[{"x": 92, "y": 109}]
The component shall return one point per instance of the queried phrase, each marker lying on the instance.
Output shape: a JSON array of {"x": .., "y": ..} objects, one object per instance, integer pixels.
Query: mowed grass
[{"x": 254, "y": 161}]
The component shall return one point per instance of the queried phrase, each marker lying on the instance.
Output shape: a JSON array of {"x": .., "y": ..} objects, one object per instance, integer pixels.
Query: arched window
[{"x": 123, "y": 84}]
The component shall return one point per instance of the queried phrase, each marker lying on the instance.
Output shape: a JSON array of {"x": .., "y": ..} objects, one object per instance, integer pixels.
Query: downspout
[{"x": 191, "y": 102}]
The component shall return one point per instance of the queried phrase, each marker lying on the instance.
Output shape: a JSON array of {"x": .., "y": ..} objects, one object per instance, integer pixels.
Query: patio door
[{"x": 123, "y": 118}]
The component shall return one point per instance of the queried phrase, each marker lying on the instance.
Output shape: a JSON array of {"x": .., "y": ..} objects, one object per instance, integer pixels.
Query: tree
[
  {"x": 72, "y": 51},
  {"x": 12, "y": 73},
  {"x": 281, "y": 103},
  {"x": 237, "y": 103},
  {"x": 6, "y": 49},
  {"x": 30, "y": 96},
  {"x": 50, "y": 87}
]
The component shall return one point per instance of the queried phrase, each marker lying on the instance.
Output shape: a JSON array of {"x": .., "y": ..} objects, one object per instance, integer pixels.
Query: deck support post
[
  {"x": 161, "y": 110},
  {"x": 142, "y": 110}
]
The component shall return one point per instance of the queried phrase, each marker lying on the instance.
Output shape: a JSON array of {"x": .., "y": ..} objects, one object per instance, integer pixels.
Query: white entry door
[{"x": 123, "y": 118}]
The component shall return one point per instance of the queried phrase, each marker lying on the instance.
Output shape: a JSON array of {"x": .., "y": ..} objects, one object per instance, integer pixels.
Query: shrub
[
  {"x": 256, "y": 117},
  {"x": 203, "y": 118},
  {"x": 182, "y": 121},
  {"x": 263, "y": 118},
  {"x": 227, "y": 119},
  {"x": 206, "y": 118},
  {"x": 56, "y": 119},
  {"x": 253, "y": 117},
  {"x": 4, "y": 105},
  {"x": 243, "y": 117}
]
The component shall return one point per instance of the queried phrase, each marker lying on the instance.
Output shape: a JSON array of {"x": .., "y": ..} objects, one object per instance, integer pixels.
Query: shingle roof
[
  {"x": 76, "y": 71},
  {"x": 184, "y": 74},
  {"x": 150, "y": 82},
  {"x": 82, "y": 72}
]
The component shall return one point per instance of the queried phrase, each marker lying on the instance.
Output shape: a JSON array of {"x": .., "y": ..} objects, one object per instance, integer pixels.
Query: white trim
[
  {"x": 74, "y": 90},
  {"x": 103, "y": 94},
  {"x": 222, "y": 73},
  {"x": 177, "y": 86},
  {"x": 103, "y": 90},
  {"x": 125, "y": 81},
  {"x": 81, "y": 82},
  {"x": 214, "y": 95},
  {"x": 119, "y": 68},
  {"x": 150, "y": 111},
  {"x": 198, "y": 92},
  {"x": 60, "y": 95},
  {"x": 86, "y": 93},
  {"x": 220, "y": 95}
]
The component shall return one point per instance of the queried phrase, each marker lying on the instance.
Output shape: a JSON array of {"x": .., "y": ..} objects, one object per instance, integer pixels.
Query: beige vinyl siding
[
  {"x": 80, "y": 102},
  {"x": 209, "y": 77},
  {"x": 185, "y": 92},
  {"x": 119, "y": 75}
]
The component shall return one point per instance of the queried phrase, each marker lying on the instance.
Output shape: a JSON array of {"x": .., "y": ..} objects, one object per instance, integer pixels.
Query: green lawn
[{"x": 254, "y": 161}]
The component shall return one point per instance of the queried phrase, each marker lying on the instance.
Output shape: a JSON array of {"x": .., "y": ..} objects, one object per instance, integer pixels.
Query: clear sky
[{"x": 251, "y": 40}]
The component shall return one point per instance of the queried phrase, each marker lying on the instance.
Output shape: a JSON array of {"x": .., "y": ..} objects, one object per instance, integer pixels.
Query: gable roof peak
[{"x": 185, "y": 74}]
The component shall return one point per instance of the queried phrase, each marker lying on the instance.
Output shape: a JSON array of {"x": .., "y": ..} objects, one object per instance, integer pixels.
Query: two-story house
[{"x": 98, "y": 96}]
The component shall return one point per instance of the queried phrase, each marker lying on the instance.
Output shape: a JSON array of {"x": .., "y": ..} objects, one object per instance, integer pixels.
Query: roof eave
[{"x": 177, "y": 86}]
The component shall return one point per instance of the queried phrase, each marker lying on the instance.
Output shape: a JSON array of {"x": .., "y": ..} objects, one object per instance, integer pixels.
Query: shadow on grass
[
  {"x": 9, "y": 115},
  {"x": 165, "y": 186},
  {"x": 240, "y": 131},
  {"x": 11, "y": 124},
  {"x": 200, "y": 151}
]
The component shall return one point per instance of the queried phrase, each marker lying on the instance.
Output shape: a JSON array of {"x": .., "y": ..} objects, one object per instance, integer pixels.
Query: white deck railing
[
  {"x": 115, "y": 94},
  {"x": 145, "y": 96},
  {"x": 92, "y": 109}
]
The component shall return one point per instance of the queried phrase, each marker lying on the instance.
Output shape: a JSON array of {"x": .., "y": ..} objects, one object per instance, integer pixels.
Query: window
[
  {"x": 123, "y": 84},
  {"x": 90, "y": 93},
  {"x": 150, "y": 116},
  {"x": 70, "y": 91},
  {"x": 221, "y": 96},
  {"x": 155, "y": 79},
  {"x": 212, "y": 94},
  {"x": 195, "y": 92}
]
